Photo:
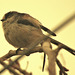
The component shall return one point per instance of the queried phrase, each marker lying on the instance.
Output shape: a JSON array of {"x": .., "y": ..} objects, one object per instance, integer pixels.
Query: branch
[
  {"x": 36, "y": 49},
  {"x": 72, "y": 51},
  {"x": 62, "y": 68},
  {"x": 13, "y": 53},
  {"x": 52, "y": 55},
  {"x": 16, "y": 65},
  {"x": 10, "y": 68}
]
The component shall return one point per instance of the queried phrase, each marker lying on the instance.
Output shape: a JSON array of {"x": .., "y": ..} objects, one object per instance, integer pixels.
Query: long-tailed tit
[{"x": 21, "y": 29}]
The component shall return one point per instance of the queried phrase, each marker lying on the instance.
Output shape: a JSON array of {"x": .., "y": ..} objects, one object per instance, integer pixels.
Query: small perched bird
[{"x": 21, "y": 29}]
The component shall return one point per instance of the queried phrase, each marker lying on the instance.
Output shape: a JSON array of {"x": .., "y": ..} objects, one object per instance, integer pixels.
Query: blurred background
[{"x": 50, "y": 13}]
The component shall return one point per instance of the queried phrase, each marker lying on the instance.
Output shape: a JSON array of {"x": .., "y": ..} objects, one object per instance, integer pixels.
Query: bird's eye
[{"x": 9, "y": 15}]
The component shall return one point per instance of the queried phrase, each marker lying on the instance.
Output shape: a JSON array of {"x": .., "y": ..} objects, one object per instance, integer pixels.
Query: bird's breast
[{"x": 22, "y": 36}]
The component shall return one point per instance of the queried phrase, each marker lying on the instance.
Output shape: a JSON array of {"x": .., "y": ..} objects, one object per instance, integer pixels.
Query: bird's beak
[{"x": 2, "y": 19}]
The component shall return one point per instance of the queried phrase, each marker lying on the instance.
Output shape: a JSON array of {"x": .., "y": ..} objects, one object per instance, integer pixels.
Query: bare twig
[
  {"x": 52, "y": 54},
  {"x": 13, "y": 53},
  {"x": 63, "y": 24},
  {"x": 10, "y": 68},
  {"x": 62, "y": 69},
  {"x": 72, "y": 51},
  {"x": 16, "y": 65}
]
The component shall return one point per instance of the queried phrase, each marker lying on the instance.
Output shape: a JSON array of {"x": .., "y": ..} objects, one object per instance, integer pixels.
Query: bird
[{"x": 21, "y": 29}]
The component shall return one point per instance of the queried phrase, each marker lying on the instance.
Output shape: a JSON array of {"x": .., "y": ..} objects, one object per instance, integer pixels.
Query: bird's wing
[
  {"x": 26, "y": 22},
  {"x": 34, "y": 22}
]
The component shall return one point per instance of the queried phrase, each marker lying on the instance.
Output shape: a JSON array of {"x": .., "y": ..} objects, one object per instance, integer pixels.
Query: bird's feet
[{"x": 18, "y": 50}]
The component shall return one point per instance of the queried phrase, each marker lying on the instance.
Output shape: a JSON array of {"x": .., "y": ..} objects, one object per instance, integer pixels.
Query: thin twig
[
  {"x": 63, "y": 24},
  {"x": 13, "y": 53},
  {"x": 16, "y": 65},
  {"x": 72, "y": 51},
  {"x": 10, "y": 69},
  {"x": 62, "y": 69}
]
